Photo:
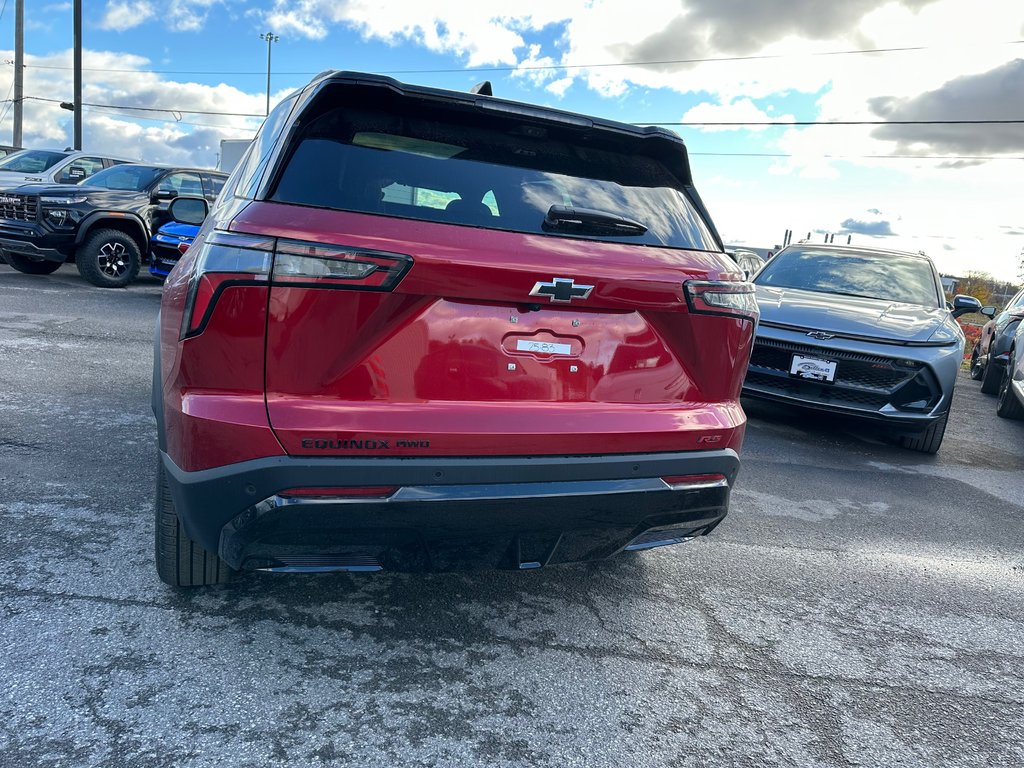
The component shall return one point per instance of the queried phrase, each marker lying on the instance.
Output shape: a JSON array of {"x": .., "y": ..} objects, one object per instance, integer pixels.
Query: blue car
[{"x": 167, "y": 246}]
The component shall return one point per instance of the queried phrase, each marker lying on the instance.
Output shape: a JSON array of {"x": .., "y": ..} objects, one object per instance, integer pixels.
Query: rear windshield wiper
[{"x": 566, "y": 219}]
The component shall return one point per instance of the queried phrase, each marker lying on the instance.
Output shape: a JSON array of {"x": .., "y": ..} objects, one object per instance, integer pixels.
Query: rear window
[
  {"x": 454, "y": 167},
  {"x": 884, "y": 276}
]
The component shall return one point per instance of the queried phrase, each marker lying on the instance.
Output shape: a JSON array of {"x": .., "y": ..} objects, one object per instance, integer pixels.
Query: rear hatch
[{"x": 455, "y": 281}]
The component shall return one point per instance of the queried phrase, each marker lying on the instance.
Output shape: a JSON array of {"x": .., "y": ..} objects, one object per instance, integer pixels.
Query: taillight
[
  {"x": 318, "y": 265},
  {"x": 712, "y": 297},
  {"x": 224, "y": 259},
  {"x": 183, "y": 246},
  {"x": 230, "y": 258}
]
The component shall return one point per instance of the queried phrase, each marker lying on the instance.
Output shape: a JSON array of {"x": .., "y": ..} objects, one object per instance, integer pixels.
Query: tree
[{"x": 977, "y": 284}]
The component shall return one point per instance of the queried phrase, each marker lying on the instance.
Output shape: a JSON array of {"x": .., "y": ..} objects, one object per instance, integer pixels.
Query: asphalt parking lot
[{"x": 861, "y": 605}]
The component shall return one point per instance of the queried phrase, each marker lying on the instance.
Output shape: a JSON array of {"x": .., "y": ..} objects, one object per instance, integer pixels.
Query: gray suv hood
[{"x": 848, "y": 315}]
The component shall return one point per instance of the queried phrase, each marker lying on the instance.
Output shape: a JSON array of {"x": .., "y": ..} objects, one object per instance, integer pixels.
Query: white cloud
[
  {"x": 189, "y": 15},
  {"x": 179, "y": 15},
  {"x": 738, "y": 111},
  {"x": 194, "y": 140},
  {"x": 126, "y": 14},
  {"x": 478, "y": 33}
]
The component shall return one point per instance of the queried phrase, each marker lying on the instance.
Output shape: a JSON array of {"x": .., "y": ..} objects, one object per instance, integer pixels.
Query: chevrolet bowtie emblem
[
  {"x": 821, "y": 335},
  {"x": 562, "y": 289}
]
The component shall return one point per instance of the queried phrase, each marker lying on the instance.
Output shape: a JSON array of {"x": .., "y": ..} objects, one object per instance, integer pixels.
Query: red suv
[{"x": 427, "y": 330}]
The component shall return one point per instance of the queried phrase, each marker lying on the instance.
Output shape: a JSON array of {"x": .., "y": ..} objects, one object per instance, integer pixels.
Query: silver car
[
  {"x": 859, "y": 331},
  {"x": 1011, "y": 389}
]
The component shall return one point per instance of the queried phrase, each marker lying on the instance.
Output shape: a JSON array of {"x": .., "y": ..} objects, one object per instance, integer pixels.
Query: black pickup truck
[{"x": 103, "y": 225}]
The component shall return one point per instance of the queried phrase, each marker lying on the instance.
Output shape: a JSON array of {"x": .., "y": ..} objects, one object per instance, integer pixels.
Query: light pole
[{"x": 271, "y": 38}]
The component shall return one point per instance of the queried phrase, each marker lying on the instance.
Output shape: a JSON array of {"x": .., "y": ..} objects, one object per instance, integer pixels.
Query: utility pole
[
  {"x": 19, "y": 69},
  {"x": 78, "y": 74},
  {"x": 271, "y": 38}
]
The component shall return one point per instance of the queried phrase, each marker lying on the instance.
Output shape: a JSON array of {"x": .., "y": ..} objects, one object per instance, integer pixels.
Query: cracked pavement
[{"x": 861, "y": 605}]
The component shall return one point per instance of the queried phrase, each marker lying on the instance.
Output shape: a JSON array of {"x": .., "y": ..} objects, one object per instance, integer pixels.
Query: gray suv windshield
[{"x": 885, "y": 276}]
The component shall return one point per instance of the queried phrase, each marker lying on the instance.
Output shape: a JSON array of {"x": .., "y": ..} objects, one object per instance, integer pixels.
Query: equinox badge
[{"x": 562, "y": 289}]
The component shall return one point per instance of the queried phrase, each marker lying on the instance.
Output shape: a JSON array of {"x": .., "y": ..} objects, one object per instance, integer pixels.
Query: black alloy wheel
[{"x": 109, "y": 258}]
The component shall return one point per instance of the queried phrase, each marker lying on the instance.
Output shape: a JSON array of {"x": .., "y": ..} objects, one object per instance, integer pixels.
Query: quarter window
[{"x": 182, "y": 183}]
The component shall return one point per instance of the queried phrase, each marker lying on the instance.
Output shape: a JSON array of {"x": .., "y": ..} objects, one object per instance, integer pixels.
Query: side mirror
[
  {"x": 963, "y": 305},
  {"x": 988, "y": 311},
  {"x": 188, "y": 210},
  {"x": 164, "y": 194}
]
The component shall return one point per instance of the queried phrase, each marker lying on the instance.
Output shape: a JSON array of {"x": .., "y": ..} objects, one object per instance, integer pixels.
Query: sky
[{"x": 954, "y": 191}]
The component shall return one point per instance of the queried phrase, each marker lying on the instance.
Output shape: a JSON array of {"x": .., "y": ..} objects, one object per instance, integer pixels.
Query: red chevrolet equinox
[{"x": 428, "y": 330}]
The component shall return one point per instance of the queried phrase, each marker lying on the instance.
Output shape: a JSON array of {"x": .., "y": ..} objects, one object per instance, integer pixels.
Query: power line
[
  {"x": 692, "y": 154},
  {"x": 541, "y": 67},
  {"x": 734, "y": 124},
  {"x": 737, "y": 124},
  {"x": 152, "y": 109},
  {"x": 858, "y": 157},
  {"x": 179, "y": 122}
]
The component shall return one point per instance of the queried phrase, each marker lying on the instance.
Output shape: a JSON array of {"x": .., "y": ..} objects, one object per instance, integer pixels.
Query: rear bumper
[{"x": 451, "y": 513}]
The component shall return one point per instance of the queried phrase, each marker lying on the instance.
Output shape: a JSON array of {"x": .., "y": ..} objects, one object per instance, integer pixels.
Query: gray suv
[{"x": 859, "y": 331}]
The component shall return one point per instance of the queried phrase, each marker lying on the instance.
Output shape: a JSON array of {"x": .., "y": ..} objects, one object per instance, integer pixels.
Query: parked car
[
  {"x": 168, "y": 244},
  {"x": 990, "y": 354},
  {"x": 104, "y": 225},
  {"x": 1010, "y": 404},
  {"x": 427, "y": 330},
  {"x": 747, "y": 260},
  {"x": 52, "y": 166},
  {"x": 859, "y": 331}
]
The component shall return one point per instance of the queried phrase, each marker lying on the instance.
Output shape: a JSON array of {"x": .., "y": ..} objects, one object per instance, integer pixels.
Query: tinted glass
[
  {"x": 254, "y": 161},
  {"x": 213, "y": 185},
  {"x": 885, "y": 276},
  {"x": 188, "y": 210},
  {"x": 134, "y": 178},
  {"x": 80, "y": 169},
  {"x": 31, "y": 161},
  {"x": 450, "y": 169},
  {"x": 183, "y": 183}
]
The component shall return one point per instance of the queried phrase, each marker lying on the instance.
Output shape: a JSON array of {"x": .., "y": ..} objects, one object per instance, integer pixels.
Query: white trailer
[{"x": 231, "y": 151}]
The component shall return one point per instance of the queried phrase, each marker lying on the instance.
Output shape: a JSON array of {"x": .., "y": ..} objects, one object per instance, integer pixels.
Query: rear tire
[
  {"x": 31, "y": 266},
  {"x": 929, "y": 440},
  {"x": 993, "y": 374},
  {"x": 1008, "y": 406},
  {"x": 108, "y": 259},
  {"x": 976, "y": 370},
  {"x": 180, "y": 561}
]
